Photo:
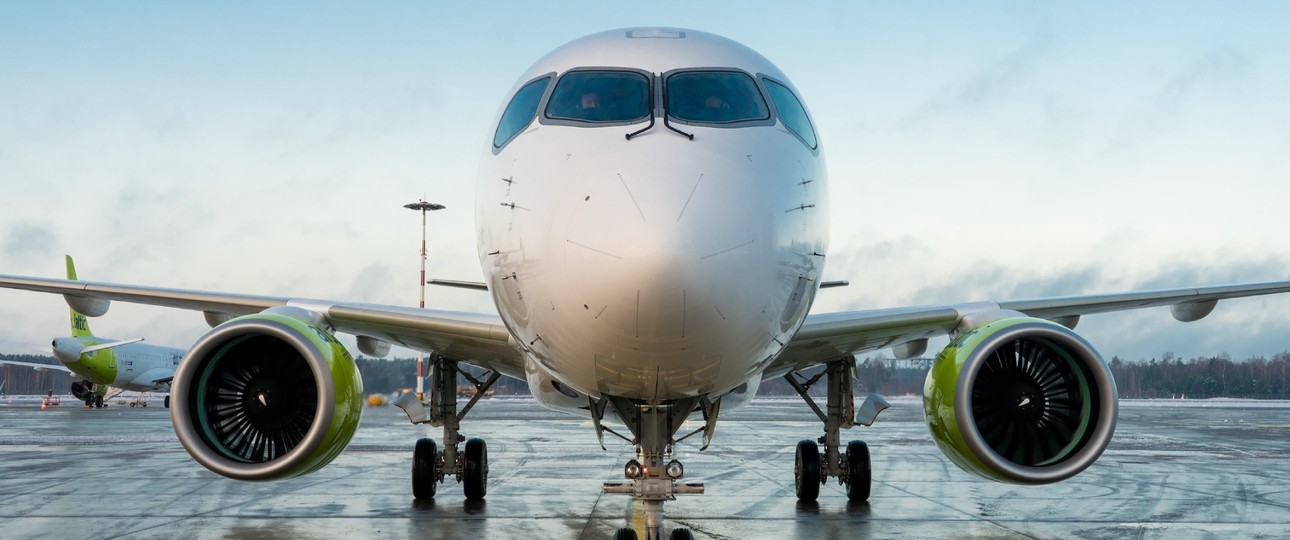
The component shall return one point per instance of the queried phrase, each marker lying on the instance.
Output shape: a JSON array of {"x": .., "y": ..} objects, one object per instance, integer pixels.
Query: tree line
[
  {"x": 22, "y": 380},
  {"x": 1165, "y": 378},
  {"x": 1218, "y": 376},
  {"x": 1168, "y": 377}
]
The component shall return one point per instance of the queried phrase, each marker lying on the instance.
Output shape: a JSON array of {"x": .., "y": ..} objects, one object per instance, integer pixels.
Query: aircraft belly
[{"x": 145, "y": 380}]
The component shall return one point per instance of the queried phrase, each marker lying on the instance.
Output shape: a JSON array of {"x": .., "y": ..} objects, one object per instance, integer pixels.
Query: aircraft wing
[
  {"x": 36, "y": 366},
  {"x": 478, "y": 339},
  {"x": 827, "y": 336}
]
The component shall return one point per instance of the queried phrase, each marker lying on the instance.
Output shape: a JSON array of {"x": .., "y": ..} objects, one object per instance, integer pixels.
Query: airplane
[
  {"x": 109, "y": 365},
  {"x": 651, "y": 216}
]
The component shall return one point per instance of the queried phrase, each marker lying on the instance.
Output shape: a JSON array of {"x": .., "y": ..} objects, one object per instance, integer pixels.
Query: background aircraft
[
  {"x": 109, "y": 366},
  {"x": 629, "y": 381}
]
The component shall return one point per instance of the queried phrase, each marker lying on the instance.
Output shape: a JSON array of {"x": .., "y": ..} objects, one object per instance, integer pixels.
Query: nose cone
[
  {"x": 662, "y": 247},
  {"x": 67, "y": 350},
  {"x": 681, "y": 261}
]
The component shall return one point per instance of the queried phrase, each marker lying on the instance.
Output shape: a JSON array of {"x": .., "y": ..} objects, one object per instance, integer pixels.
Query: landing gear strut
[
  {"x": 85, "y": 391},
  {"x": 652, "y": 481},
  {"x": 852, "y": 469},
  {"x": 430, "y": 466}
]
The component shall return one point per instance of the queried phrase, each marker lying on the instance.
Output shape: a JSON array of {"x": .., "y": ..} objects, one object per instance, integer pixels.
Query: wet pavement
[{"x": 1210, "y": 469}]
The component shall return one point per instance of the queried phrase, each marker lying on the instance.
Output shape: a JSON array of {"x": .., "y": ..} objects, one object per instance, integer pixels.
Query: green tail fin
[{"x": 80, "y": 325}]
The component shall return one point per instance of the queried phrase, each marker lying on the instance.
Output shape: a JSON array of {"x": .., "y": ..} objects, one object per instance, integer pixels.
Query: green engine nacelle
[
  {"x": 1020, "y": 400},
  {"x": 267, "y": 396}
]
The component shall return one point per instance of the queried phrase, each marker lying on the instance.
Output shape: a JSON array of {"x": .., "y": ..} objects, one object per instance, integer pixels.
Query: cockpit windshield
[
  {"x": 791, "y": 112},
  {"x": 714, "y": 97},
  {"x": 520, "y": 111},
  {"x": 600, "y": 96}
]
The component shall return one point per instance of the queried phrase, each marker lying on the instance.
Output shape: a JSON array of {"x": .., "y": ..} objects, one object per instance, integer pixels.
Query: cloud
[
  {"x": 27, "y": 239},
  {"x": 910, "y": 271},
  {"x": 996, "y": 84},
  {"x": 1220, "y": 72},
  {"x": 372, "y": 283},
  {"x": 1194, "y": 273},
  {"x": 1218, "y": 68}
]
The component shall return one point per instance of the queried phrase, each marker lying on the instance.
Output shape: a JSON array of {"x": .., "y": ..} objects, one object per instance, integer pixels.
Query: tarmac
[{"x": 1175, "y": 469}]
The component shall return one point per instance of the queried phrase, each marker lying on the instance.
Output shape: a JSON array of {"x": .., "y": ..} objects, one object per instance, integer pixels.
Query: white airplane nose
[
  {"x": 647, "y": 246},
  {"x": 686, "y": 266},
  {"x": 67, "y": 350},
  {"x": 660, "y": 258}
]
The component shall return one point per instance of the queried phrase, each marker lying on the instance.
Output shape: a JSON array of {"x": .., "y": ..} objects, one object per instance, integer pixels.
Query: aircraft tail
[{"x": 80, "y": 325}]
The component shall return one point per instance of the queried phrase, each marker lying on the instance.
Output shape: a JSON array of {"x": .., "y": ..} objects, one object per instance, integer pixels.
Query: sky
[{"x": 981, "y": 151}]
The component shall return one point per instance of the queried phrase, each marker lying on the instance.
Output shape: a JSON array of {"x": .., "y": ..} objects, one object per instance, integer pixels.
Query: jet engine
[
  {"x": 267, "y": 396},
  {"x": 1020, "y": 400}
]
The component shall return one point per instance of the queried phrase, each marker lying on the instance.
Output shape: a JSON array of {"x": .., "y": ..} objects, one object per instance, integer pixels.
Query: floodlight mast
[{"x": 424, "y": 207}]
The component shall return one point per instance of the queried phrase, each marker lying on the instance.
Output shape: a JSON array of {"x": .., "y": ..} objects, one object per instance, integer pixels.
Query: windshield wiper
[
  {"x": 666, "y": 113},
  {"x": 644, "y": 129},
  {"x": 665, "y": 122},
  {"x": 673, "y": 128},
  {"x": 651, "y": 113}
]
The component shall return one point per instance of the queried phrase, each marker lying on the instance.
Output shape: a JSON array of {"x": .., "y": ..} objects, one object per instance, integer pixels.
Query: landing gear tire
[
  {"x": 98, "y": 402},
  {"x": 167, "y": 402},
  {"x": 806, "y": 472},
  {"x": 859, "y": 474},
  {"x": 475, "y": 469},
  {"x": 682, "y": 534},
  {"x": 425, "y": 462},
  {"x": 625, "y": 534}
]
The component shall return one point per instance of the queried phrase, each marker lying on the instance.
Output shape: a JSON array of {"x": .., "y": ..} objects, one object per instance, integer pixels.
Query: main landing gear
[
  {"x": 652, "y": 481},
  {"x": 852, "y": 469},
  {"x": 89, "y": 393},
  {"x": 627, "y": 533},
  {"x": 430, "y": 466}
]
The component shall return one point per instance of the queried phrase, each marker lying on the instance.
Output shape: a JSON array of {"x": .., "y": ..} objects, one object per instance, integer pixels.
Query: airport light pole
[{"x": 424, "y": 207}]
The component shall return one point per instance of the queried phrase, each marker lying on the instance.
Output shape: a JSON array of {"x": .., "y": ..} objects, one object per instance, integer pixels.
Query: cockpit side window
[
  {"x": 714, "y": 97},
  {"x": 600, "y": 96},
  {"x": 520, "y": 111},
  {"x": 791, "y": 112}
]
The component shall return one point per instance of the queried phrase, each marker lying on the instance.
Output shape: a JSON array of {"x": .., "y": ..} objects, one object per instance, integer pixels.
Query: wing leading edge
[
  {"x": 36, "y": 366},
  {"x": 828, "y": 336},
  {"x": 478, "y": 339},
  {"x": 482, "y": 339}
]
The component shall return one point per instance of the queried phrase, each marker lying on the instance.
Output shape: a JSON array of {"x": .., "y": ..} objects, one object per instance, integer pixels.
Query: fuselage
[
  {"x": 655, "y": 266},
  {"x": 133, "y": 366}
]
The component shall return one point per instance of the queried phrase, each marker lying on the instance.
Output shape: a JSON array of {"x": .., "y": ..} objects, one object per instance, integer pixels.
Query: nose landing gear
[{"x": 654, "y": 481}]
